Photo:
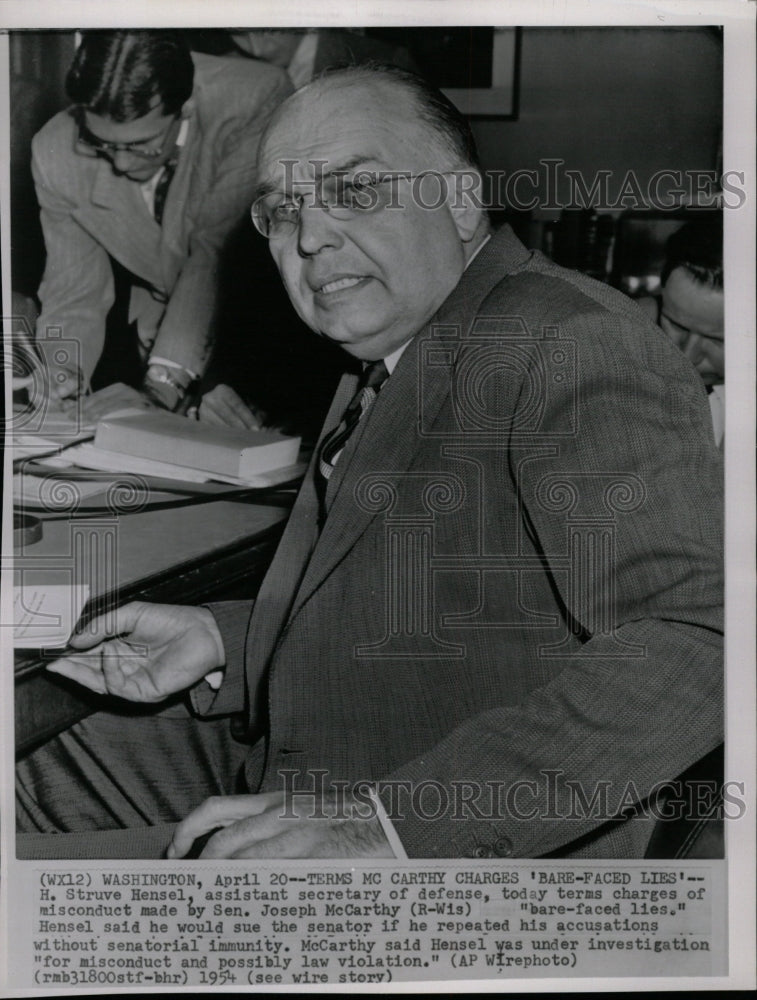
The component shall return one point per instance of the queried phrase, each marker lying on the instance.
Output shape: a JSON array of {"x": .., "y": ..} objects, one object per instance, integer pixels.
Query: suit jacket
[
  {"x": 88, "y": 213},
  {"x": 517, "y": 588}
]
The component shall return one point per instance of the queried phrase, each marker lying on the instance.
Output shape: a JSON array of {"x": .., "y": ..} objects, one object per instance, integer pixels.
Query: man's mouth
[{"x": 340, "y": 284}]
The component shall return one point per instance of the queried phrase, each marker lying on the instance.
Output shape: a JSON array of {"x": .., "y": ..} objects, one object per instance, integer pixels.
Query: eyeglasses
[
  {"x": 141, "y": 148},
  {"x": 277, "y": 215}
]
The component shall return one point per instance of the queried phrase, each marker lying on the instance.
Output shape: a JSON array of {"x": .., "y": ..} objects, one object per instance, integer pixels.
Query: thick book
[{"x": 225, "y": 451}]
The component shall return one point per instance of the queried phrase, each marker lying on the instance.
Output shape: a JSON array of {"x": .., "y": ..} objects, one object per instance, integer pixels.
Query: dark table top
[{"x": 184, "y": 555}]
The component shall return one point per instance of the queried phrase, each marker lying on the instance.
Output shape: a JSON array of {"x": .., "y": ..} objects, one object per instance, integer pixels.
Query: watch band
[{"x": 164, "y": 386}]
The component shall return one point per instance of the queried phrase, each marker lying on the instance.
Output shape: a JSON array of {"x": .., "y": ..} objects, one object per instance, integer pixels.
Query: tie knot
[{"x": 374, "y": 375}]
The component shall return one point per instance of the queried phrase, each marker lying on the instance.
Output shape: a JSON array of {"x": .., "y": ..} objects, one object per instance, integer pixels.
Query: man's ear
[{"x": 465, "y": 201}]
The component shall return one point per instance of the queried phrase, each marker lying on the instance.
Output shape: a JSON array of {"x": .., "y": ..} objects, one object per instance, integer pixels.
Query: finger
[
  {"x": 226, "y": 404},
  {"x": 127, "y": 670},
  {"x": 220, "y": 810},
  {"x": 241, "y": 411},
  {"x": 120, "y": 621},
  {"x": 70, "y": 406},
  {"x": 299, "y": 842},
  {"x": 85, "y": 670},
  {"x": 290, "y": 838},
  {"x": 312, "y": 839},
  {"x": 250, "y": 830},
  {"x": 232, "y": 413},
  {"x": 243, "y": 419},
  {"x": 65, "y": 384},
  {"x": 228, "y": 418},
  {"x": 207, "y": 415}
]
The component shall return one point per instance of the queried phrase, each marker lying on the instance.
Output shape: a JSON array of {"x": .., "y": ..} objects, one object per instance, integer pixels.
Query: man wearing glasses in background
[
  {"x": 144, "y": 177},
  {"x": 691, "y": 306}
]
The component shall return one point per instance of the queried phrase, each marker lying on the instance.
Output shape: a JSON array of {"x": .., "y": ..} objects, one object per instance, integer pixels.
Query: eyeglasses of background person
[{"x": 151, "y": 147}]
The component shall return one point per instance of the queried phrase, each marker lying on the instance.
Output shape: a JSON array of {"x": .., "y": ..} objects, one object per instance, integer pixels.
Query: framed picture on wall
[{"x": 477, "y": 68}]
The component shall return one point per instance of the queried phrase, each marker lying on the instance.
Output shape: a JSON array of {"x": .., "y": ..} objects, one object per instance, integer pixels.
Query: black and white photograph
[{"x": 376, "y": 496}]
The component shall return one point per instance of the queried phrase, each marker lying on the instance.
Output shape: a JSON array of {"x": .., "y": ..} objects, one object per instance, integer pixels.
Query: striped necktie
[{"x": 374, "y": 376}]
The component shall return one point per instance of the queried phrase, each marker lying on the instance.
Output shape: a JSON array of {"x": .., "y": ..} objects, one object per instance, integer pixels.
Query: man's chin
[
  {"x": 353, "y": 340},
  {"x": 358, "y": 346}
]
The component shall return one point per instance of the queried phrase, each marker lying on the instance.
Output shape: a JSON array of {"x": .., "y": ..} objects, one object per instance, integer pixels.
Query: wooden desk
[{"x": 189, "y": 555}]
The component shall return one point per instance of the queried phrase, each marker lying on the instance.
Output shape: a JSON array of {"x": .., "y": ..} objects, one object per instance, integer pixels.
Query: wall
[
  {"x": 38, "y": 64},
  {"x": 644, "y": 99}
]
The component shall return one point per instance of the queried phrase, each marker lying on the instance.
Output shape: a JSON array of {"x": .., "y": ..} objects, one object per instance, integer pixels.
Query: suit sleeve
[
  {"x": 232, "y": 619},
  {"x": 643, "y": 698},
  {"x": 186, "y": 332},
  {"x": 77, "y": 286}
]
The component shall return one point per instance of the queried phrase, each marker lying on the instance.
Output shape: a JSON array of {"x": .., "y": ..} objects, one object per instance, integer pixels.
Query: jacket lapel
[
  {"x": 172, "y": 237},
  {"x": 414, "y": 392},
  {"x": 381, "y": 443},
  {"x": 124, "y": 223},
  {"x": 280, "y": 585}
]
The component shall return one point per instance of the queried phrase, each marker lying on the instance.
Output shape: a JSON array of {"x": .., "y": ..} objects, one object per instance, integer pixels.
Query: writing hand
[
  {"x": 272, "y": 825},
  {"x": 144, "y": 652},
  {"x": 64, "y": 384},
  {"x": 222, "y": 406}
]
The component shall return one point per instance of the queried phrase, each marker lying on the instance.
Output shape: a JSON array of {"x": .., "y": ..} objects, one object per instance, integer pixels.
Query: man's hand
[
  {"x": 64, "y": 384},
  {"x": 222, "y": 406},
  {"x": 112, "y": 399},
  {"x": 144, "y": 652},
  {"x": 273, "y": 825}
]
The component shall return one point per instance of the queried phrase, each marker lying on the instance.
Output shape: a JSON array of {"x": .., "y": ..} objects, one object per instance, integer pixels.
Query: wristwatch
[{"x": 167, "y": 387}]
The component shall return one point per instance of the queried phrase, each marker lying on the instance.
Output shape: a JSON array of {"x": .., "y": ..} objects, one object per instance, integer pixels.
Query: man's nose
[
  {"x": 121, "y": 159},
  {"x": 317, "y": 230}
]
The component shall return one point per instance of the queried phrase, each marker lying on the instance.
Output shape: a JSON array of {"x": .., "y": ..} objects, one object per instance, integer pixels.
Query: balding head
[
  {"x": 365, "y": 269},
  {"x": 438, "y": 121}
]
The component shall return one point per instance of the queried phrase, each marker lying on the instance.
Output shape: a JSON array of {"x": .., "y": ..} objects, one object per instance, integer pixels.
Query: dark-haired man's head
[
  {"x": 128, "y": 88},
  {"x": 692, "y": 295},
  {"x": 365, "y": 176}
]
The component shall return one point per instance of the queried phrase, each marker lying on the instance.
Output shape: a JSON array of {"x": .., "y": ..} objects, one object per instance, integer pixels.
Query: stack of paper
[
  {"x": 220, "y": 451},
  {"x": 45, "y": 617}
]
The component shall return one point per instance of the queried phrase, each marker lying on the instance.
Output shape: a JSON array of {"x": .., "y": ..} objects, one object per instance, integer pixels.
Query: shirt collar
[
  {"x": 391, "y": 360},
  {"x": 181, "y": 138},
  {"x": 478, "y": 250}
]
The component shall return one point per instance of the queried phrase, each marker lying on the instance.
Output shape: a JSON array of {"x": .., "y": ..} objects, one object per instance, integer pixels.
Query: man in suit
[
  {"x": 146, "y": 175},
  {"x": 691, "y": 306},
  {"x": 497, "y": 599}
]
